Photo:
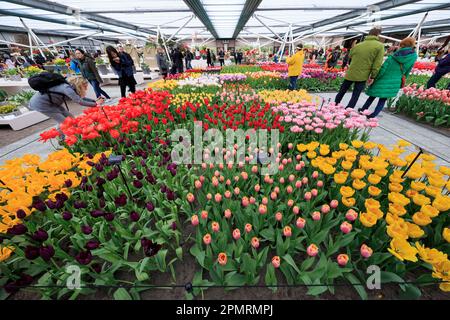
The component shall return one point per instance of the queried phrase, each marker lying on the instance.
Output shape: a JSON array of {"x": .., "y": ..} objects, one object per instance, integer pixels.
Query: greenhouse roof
[{"x": 208, "y": 19}]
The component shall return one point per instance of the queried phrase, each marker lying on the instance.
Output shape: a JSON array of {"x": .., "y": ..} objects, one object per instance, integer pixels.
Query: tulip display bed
[
  {"x": 116, "y": 208},
  {"x": 431, "y": 106}
]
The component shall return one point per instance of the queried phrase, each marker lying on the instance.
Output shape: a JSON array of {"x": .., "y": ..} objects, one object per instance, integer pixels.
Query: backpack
[{"x": 44, "y": 81}]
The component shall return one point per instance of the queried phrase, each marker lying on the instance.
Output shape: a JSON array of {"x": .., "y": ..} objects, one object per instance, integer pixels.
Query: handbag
[{"x": 403, "y": 83}]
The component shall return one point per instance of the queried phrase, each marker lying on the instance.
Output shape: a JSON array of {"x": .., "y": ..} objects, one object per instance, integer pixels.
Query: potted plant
[
  {"x": 145, "y": 68},
  {"x": 101, "y": 65},
  {"x": 31, "y": 71},
  {"x": 12, "y": 74},
  {"x": 7, "y": 109}
]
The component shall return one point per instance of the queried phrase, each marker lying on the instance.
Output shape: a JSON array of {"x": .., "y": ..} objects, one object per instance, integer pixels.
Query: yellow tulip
[
  {"x": 429, "y": 211},
  {"x": 357, "y": 144},
  {"x": 367, "y": 219},
  {"x": 374, "y": 178},
  {"x": 442, "y": 203},
  {"x": 421, "y": 200},
  {"x": 395, "y": 187},
  {"x": 358, "y": 174},
  {"x": 346, "y": 192},
  {"x": 446, "y": 234},
  {"x": 421, "y": 219},
  {"x": 349, "y": 202},
  {"x": 374, "y": 191},
  {"x": 431, "y": 256},
  {"x": 402, "y": 250},
  {"x": 347, "y": 165},
  {"x": 414, "y": 231},
  {"x": 358, "y": 184},
  {"x": 398, "y": 229},
  {"x": 417, "y": 185}
]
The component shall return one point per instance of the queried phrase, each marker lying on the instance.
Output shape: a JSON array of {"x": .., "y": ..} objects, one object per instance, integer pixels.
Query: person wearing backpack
[
  {"x": 90, "y": 72},
  {"x": 392, "y": 76},
  {"x": 53, "y": 90}
]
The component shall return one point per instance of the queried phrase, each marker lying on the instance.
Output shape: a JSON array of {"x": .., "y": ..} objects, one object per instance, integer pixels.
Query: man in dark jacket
[
  {"x": 442, "y": 68},
  {"x": 178, "y": 60},
  {"x": 188, "y": 58},
  {"x": 221, "y": 57}
]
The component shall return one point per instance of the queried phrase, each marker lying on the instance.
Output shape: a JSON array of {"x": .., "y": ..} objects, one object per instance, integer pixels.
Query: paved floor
[{"x": 391, "y": 129}]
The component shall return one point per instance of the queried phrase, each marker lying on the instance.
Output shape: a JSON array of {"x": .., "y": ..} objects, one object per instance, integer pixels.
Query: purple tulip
[
  {"x": 101, "y": 202},
  {"x": 86, "y": 229},
  {"x": 21, "y": 214},
  {"x": 84, "y": 257},
  {"x": 150, "y": 207},
  {"x": 139, "y": 175},
  {"x": 137, "y": 184},
  {"x": 174, "y": 226},
  {"x": 100, "y": 181},
  {"x": 17, "y": 230},
  {"x": 61, "y": 197},
  {"x": 109, "y": 216},
  {"x": 68, "y": 183},
  {"x": 46, "y": 252},
  {"x": 99, "y": 167},
  {"x": 79, "y": 205},
  {"x": 151, "y": 179},
  {"x": 50, "y": 204},
  {"x": 134, "y": 216},
  {"x": 31, "y": 252},
  {"x": 121, "y": 200},
  {"x": 67, "y": 215},
  {"x": 40, "y": 235},
  {"x": 170, "y": 195},
  {"x": 14, "y": 286},
  {"x": 92, "y": 245},
  {"x": 90, "y": 163},
  {"x": 97, "y": 213}
]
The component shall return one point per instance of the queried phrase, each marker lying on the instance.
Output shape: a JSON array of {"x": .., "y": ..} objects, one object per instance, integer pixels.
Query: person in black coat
[
  {"x": 122, "y": 64},
  {"x": 208, "y": 58},
  {"x": 442, "y": 68},
  {"x": 178, "y": 60},
  {"x": 188, "y": 58}
]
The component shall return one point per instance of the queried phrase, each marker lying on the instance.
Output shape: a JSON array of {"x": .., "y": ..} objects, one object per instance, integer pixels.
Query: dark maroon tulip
[
  {"x": 100, "y": 181},
  {"x": 151, "y": 179},
  {"x": 150, "y": 207},
  {"x": 109, "y": 216},
  {"x": 14, "y": 286},
  {"x": 121, "y": 200},
  {"x": 86, "y": 229},
  {"x": 84, "y": 257},
  {"x": 163, "y": 188},
  {"x": 90, "y": 163},
  {"x": 21, "y": 214},
  {"x": 92, "y": 245},
  {"x": 89, "y": 188},
  {"x": 150, "y": 248},
  {"x": 137, "y": 184},
  {"x": 31, "y": 252},
  {"x": 79, "y": 205},
  {"x": 90, "y": 156},
  {"x": 139, "y": 175},
  {"x": 102, "y": 202},
  {"x": 97, "y": 267},
  {"x": 173, "y": 172},
  {"x": 106, "y": 144},
  {"x": 171, "y": 195},
  {"x": 61, "y": 197},
  {"x": 67, "y": 215},
  {"x": 97, "y": 213},
  {"x": 68, "y": 183},
  {"x": 38, "y": 204},
  {"x": 84, "y": 179},
  {"x": 59, "y": 204},
  {"x": 134, "y": 216},
  {"x": 99, "y": 167},
  {"x": 46, "y": 252},
  {"x": 50, "y": 204},
  {"x": 40, "y": 235},
  {"x": 174, "y": 226},
  {"x": 17, "y": 230}
]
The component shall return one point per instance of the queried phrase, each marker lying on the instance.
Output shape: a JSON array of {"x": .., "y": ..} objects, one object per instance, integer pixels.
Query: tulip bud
[
  {"x": 342, "y": 259},
  {"x": 300, "y": 223},
  {"x": 312, "y": 250},
  {"x": 366, "y": 251},
  {"x": 236, "y": 234},
  {"x": 194, "y": 220},
  {"x": 276, "y": 262},
  {"x": 346, "y": 227}
]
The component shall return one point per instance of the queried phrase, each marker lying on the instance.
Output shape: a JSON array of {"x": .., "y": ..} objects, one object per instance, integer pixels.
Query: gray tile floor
[{"x": 391, "y": 129}]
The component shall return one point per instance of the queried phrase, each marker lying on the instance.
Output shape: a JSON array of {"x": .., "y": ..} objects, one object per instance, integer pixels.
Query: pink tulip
[
  {"x": 325, "y": 209},
  {"x": 312, "y": 250},
  {"x": 236, "y": 234},
  {"x": 334, "y": 204},
  {"x": 308, "y": 196},
  {"x": 278, "y": 216},
  {"x": 316, "y": 215},
  {"x": 366, "y": 251},
  {"x": 300, "y": 223},
  {"x": 194, "y": 220},
  {"x": 204, "y": 214},
  {"x": 227, "y": 213},
  {"x": 351, "y": 215},
  {"x": 346, "y": 227}
]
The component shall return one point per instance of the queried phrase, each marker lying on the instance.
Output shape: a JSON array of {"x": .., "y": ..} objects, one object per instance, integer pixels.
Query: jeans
[
  {"x": 435, "y": 78},
  {"x": 293, "y": 82},
  {"x": 188, "y": 64},
  {"x": 358, "y": 88},
  {"x": 222, "y": 62},
  {"x": 98, "y": 91},
  {"x": 378, "y": 108}
]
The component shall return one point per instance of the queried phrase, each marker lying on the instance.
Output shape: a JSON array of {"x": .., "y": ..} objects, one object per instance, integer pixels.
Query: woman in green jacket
[{"x": 389, "y": 80}]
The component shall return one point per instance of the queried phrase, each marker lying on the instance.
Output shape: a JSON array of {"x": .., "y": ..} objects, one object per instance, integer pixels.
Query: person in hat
[{"x": 295, "y": 66}]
